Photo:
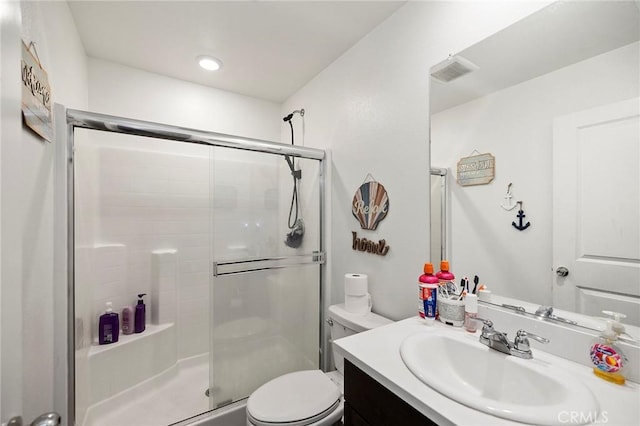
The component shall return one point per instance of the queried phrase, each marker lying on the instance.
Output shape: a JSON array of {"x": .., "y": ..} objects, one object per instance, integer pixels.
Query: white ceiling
[
  {"x": 559, "y": 35},
  {"x": 270, "y": 49}
]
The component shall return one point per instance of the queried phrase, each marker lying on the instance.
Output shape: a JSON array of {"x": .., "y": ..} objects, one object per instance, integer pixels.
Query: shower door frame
[{"x": 67, "y": 120}]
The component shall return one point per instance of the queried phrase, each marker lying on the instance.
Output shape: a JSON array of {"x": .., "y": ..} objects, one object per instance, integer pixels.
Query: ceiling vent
[{"x": 451, "y": 68}]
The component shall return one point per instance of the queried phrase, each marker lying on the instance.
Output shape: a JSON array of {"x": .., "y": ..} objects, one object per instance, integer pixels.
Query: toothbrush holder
[{"x": 451, "y": 311}]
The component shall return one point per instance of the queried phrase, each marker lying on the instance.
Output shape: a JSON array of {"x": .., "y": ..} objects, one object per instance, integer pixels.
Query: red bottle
[
  {"x": 428, "y": 289},
  {"x": 444, "y": 275}
]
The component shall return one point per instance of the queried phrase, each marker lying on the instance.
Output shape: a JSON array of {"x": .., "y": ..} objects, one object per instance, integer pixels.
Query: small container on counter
[
  {"x": 470, "y": 312},
  {"x": 451, "y": 311}
]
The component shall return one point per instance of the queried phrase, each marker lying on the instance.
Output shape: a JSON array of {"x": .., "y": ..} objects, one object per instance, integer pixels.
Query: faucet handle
[
  {"x": 521, "y": 342},
  {"x": 487, "y": 323},
  {"x": 544, "y": 311},
  {"x": 487, "y": 329}
]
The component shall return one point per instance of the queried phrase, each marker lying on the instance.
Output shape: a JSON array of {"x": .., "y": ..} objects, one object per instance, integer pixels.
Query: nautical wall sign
[
  {"x": 36, "y": 94},
  {"x": 370, "y": 204},
  {"x": 362, "y": 244},
  {"x": 476, "y": 170}
]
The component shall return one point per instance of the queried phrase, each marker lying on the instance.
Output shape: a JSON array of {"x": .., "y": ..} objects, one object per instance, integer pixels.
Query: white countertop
[{"x": 377, "y": 353}]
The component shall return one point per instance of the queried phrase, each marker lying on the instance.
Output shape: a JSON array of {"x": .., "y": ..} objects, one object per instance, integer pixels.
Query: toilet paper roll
[
  {"x": 359, "y": 305},
  {"x": 356, "y": 285}
]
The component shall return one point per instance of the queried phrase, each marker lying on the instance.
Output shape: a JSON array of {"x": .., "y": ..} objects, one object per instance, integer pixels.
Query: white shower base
[
  {"x": 178, "y": 393},
  {"x": 170, "y": 397}
]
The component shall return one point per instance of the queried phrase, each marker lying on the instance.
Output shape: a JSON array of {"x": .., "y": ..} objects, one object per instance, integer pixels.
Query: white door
[{"x": 596, "y": 210}]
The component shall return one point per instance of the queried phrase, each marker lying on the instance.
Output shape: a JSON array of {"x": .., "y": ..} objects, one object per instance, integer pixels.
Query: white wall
[
  {"x": 127, "y": 92},
  {"x": 371, "y": 108},
  {"x": 10, "y": 217},
  {"x": 516, "y": 126},
  {"x": 27, "y": 201},
  {"x": 51, "y": 27}
]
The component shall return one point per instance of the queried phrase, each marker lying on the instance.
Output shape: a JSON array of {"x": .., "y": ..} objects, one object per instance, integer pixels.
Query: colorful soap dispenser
[
  {"x": 609, "y": 361},
  {"x": 108, "y": 326},
  {"x": 139, "y": 322}
]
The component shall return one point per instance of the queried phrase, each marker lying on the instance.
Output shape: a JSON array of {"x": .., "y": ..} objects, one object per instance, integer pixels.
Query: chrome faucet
[
  {"x": 498, "y": 341},
  {"x": 547, "y": 312}
]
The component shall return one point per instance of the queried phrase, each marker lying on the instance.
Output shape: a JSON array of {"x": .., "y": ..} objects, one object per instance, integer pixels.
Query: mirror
[{"x": 554, "y": 98}]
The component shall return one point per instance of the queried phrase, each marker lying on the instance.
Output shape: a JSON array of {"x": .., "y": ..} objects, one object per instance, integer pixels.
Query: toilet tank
[{"x": 345, "y": 324}]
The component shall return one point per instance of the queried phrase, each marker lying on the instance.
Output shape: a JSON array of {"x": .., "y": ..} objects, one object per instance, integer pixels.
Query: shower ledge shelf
[{"x": 125, "y": 339}]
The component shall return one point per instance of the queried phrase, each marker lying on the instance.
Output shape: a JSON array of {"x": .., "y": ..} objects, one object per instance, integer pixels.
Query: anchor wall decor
[{"x": 521, "y": 226}]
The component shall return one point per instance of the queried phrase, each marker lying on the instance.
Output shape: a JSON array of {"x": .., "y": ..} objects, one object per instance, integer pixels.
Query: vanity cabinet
[{"x": 368, "y": 403}]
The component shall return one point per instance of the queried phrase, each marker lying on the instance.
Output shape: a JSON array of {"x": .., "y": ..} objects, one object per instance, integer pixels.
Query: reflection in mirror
[
  {"x": 438, "y": 224},
  {"x": 555, "y": 100}
]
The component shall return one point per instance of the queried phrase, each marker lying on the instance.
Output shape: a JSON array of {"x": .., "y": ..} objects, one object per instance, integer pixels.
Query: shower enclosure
[{"x": 196, "y": 222}]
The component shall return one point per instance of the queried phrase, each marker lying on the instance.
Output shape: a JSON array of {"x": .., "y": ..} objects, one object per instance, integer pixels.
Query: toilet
[{"x": 310, "y": 397}]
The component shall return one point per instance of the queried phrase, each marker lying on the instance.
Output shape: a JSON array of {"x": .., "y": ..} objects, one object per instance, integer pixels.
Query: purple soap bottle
[
  {"x": 108, "y": 327},
  {"x": 139, "y": 320}
]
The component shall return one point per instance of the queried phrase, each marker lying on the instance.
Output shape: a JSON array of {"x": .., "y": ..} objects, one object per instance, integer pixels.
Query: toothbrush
[{"x": 476, "y": 280}]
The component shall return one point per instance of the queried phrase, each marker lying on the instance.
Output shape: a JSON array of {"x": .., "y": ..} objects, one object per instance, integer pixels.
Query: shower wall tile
[
  {"x": 163, "y": 286},
  {"x": 158, "y": 205},
  {"x": 195, "y": 279},
  {"x": 109, "y": 280}
]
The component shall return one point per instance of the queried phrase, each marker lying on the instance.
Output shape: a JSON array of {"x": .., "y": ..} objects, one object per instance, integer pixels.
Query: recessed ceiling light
[{"x": 209, "y": 63}]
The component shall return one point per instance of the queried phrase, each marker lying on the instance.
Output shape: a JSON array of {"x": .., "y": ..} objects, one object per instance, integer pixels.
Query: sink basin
[{"x": 527, "y": 391}]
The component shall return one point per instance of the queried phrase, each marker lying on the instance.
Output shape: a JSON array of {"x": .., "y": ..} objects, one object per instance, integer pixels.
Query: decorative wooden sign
[
  {"x": 476, "y": 170},
  {"x": 36, "y": 95},
  {"x": 362, "y": 244},
  {"x": 370, "y": 204}
]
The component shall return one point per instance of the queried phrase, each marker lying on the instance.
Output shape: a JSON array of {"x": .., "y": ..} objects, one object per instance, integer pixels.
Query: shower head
[
  {"x": 290, "y": 116},
  {"x": 294, "y": 237}
]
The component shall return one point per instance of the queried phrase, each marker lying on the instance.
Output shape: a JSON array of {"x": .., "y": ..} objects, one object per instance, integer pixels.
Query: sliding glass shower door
[
  {"x": 194, "y": 224},
  {"x": 265, "y": 294},
  {"x": 142, "y": 227}
]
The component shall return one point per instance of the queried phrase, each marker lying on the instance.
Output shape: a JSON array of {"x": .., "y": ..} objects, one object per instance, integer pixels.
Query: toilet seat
[{"x": 295, "y": 399}]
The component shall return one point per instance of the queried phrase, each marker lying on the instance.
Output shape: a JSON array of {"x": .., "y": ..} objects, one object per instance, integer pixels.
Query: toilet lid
[{"x": 293, "y": 397}]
